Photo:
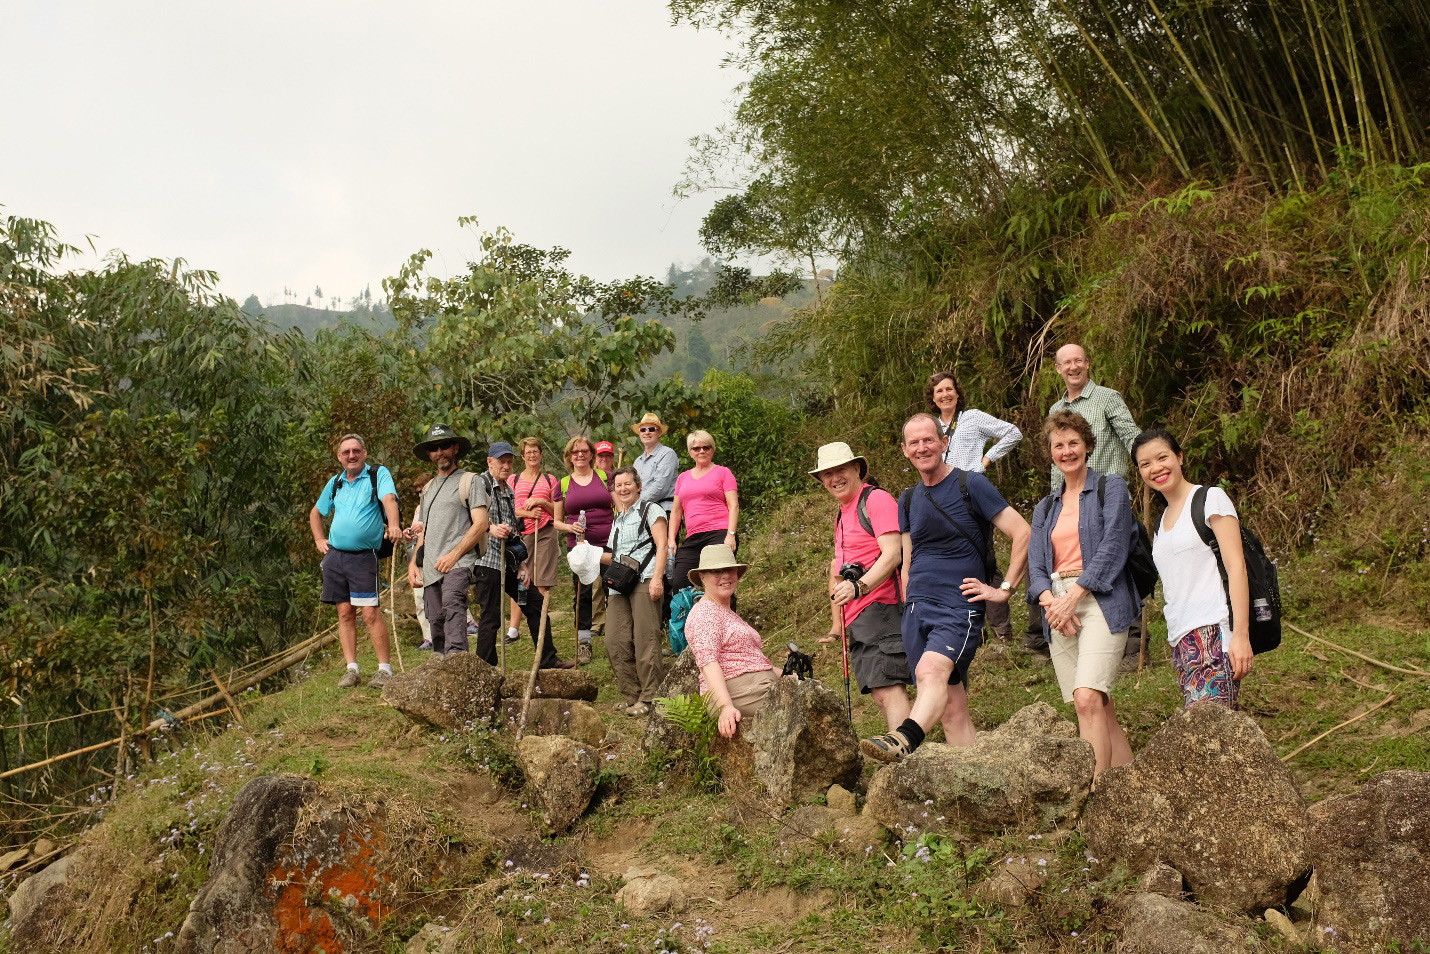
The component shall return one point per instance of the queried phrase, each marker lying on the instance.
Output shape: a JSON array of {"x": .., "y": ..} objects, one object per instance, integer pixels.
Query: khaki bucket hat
[
  {"x": 717, "y": 556},
  {"x": 837, "y": 455}
]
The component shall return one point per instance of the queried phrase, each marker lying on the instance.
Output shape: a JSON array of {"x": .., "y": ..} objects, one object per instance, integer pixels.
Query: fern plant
[{"x": 688, "y": 713}]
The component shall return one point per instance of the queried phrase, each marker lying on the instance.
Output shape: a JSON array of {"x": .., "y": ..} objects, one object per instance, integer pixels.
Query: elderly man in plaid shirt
[
  {"x": 486, "y": 575},
  {"x": 1112, "y": 424}
]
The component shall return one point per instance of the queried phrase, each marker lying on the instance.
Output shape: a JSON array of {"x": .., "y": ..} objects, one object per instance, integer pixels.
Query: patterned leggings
[{"x": 1204, "y": 669}]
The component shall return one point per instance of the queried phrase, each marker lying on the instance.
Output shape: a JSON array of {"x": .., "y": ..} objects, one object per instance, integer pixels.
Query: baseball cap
[
  {"x": 605, "y": 447},
  {"x": 500, "y": 449}
]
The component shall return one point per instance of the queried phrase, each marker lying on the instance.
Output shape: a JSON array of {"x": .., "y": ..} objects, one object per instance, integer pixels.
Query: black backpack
[
  {"x": 385, "y": 550},
  {"x": 1260, "y": 578}
]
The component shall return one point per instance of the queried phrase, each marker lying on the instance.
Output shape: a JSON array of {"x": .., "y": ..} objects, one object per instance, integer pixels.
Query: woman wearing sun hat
[{"x": 735, "y": 673}]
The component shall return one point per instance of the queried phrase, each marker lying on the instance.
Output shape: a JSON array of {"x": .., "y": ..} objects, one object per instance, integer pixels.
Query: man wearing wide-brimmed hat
[
  {"x": 867, "y": 596},
  {"x": 451, "y": 526},
  {"x": 657, "y": 464}
]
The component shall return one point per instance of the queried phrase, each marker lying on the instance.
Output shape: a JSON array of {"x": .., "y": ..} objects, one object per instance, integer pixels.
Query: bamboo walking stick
[
  {"x": 540, "y": 632},
  {"x": 392, "y": 606}
]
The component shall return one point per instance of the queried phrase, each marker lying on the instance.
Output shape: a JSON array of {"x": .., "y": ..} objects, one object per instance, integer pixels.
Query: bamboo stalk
[
  {"x": 1301, "y": 748},
  {"x": 223, "y": 691},
  {"x": 540, "y": 633},
  {"x": 1370, "y": 659},
  {"x": 392, "y": 608}
]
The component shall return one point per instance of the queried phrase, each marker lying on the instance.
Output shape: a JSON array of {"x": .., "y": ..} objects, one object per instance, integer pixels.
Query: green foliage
[{"x": 689, "y": 714}]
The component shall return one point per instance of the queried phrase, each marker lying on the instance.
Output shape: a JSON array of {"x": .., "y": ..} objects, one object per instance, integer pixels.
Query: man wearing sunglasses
[
  {"x": 451, "y": 527},
  {"x": 349, "y": 550},
  {"x": 657, "y": 464}
]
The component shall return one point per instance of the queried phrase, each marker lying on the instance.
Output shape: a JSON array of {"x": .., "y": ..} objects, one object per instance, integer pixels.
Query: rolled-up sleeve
[{"x": 1005, "y": 433}]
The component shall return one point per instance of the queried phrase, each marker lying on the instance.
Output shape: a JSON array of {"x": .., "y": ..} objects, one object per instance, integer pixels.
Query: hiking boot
[
  {"x": 426, "y": 646},
  {"x": 583, "y": 654},
  {"x": 638, "y": 710},
  {"x": 623, "y": 706},
  {"x": 349, "y": 679},
  {"x": 886, "y": 748},
  {"x": 380, "y": 679},
  {"x": 1128, "y": 664},
  {"x": 561, "y": 664}
]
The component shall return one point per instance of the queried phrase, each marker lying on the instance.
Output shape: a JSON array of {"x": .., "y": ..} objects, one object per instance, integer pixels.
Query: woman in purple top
[{"x": 585, "y": 489}]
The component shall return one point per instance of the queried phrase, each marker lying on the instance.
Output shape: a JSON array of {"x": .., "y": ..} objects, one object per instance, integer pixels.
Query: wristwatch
[{"x": 1006, "y": 586}]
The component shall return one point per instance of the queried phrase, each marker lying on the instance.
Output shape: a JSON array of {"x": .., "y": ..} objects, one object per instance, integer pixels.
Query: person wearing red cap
[{"x": 606, "y": 457}]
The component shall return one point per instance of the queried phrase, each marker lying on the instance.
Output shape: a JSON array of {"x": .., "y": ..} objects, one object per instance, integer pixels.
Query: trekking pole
[
  {"x": 392, "y": 605},
  {"x": 844, "y": 645},
  {"x": 501, "y": 607}
]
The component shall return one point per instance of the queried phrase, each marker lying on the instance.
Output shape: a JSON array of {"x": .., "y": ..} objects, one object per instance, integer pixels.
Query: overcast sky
[{"x": 301, "y": 143}]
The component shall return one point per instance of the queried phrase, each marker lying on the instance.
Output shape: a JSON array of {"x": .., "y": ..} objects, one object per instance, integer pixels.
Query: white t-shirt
[{"x": 1191, "y": 583}]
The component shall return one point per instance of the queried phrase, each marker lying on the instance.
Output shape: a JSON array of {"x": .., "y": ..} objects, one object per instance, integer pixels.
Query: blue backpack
[{"x": 680, "y": 605}]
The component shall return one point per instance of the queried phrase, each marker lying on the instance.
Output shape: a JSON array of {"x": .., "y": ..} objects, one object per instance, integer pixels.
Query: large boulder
[
  {"x": 648, "y": 892},
  {"x": 1032, "y": 771},
  {"x": 1371, "y": 852},
  {"x": 560, "y": 774},
  {"x": 552, "y": 684},
  {"x": 1153, "y": 924},
  {"x": 568, "y": 717},
  {"x": 1209, "y": 797},
  {"x": 291, "y": 872},
  {"x": 682, "y": 678},
  {"x": 453, "y": 692},
  {"x": 36, "y": 902},
  {"x": 796, "y": 746}
]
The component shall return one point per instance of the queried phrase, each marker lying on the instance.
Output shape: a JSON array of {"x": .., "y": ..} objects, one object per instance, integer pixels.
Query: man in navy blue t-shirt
[{"x": 944, "y": 541}]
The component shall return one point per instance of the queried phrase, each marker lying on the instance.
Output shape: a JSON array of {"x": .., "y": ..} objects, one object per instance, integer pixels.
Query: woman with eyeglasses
[
  {"x": 707, "y": 505},
  {"x": 534, "y": 490},
  {"x": 585, "y": 491}
]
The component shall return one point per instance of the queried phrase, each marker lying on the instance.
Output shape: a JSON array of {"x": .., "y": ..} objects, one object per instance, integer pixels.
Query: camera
[{"x": 852, "y": 572}]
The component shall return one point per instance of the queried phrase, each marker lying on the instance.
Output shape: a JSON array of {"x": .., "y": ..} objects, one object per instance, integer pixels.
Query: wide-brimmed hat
[
  {"x": 585, "y": 562},
  {"x": 440, "y": 434},
  {"x": 717, "y": 556},
  {"x": 649, "y": 418},
  {"x": 837, "y": 455}
]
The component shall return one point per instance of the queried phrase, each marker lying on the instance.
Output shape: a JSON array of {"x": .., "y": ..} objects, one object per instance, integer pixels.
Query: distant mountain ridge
[{"x": 309, "y": 320}]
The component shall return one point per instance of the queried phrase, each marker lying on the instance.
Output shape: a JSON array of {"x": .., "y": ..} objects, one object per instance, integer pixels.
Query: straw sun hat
[
  {"x": 837, "y": 455},
  {"x": 717, "y": 556}
]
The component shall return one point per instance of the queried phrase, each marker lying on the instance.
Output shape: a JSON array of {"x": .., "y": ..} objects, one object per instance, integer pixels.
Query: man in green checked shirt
[{"x": 1114, "y": 428}]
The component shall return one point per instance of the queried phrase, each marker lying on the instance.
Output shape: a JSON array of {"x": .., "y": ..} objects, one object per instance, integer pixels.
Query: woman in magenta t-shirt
[
  {"x": 707, "y": 505},
  {"x": 585, "y": 490}
]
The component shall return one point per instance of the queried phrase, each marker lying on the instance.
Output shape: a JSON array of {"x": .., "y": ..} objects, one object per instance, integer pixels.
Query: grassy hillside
[{"x": 756, "y": 882}]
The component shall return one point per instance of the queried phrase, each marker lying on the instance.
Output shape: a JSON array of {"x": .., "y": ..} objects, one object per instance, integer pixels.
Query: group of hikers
[{"x": 913, "y": 581}]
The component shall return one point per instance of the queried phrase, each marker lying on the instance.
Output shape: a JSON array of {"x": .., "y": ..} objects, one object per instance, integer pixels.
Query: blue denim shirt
[{"x": 1106, "y": 534}]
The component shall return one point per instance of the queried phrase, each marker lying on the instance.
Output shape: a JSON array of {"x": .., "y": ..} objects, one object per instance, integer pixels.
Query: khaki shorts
[
  {"x": 747, "y": 692},
  {"x": 876, "y": 647},
  {"x": 543, "y": 564},
  {"x": 1090, "y": 659}
]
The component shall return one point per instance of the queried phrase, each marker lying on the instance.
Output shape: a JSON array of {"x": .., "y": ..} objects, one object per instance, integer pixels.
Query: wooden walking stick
[
  {"x": 1146, "y": 522},
  {"x": 540, "y": 634},
  {"x": 501, "y": 608},
  {"x": 392, "y": 606}
]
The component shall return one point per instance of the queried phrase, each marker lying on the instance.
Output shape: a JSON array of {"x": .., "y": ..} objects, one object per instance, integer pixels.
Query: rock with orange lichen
[{"x": 290, "y": 873}]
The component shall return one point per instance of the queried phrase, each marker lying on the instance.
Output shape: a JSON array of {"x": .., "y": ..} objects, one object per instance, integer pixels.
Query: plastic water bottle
[{"x": 581, "y": 523}]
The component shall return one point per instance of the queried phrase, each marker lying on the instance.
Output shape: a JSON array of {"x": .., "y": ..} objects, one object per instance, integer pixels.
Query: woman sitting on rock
[
  {"x": 1077, "y": 572},
  {"x": 735, "y": 673},
  {"x": 1211, "y": 652}
]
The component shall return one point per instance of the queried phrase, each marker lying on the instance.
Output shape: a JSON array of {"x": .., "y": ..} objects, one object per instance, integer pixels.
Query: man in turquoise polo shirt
[{"x": 349, "y": 549}]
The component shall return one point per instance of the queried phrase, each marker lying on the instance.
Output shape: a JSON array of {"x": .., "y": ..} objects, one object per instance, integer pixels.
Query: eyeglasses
[
  {"x": 353, "y": 452},
  {"x": 649, "y": 430},
  {"x": 702, "y": 447},
  {"x": 580, "y": 453}
]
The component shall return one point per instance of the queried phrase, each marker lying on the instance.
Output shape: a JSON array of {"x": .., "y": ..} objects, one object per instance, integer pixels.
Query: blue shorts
[
  {"x": 953, "y": 632},
  {"x": 350, "y": 576}
]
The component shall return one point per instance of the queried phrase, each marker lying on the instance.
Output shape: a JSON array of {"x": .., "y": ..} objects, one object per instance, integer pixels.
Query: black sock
[{"x": 913, "y": 732}]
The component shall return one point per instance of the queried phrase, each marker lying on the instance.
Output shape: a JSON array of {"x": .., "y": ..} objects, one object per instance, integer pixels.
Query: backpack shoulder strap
[
  {"x": 862, "y": 509},
  {"x": 464, "y": 489},
  {"x": 1199, "y": 521},
  {"x": 372, "y": 479},
  {"x": 1101, "y": 485},
  {"x": 565, "y": 485}
]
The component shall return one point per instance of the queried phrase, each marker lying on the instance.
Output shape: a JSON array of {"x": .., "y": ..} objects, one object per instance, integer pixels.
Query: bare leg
[
  {"x": 932, "y": 678},
  {"x": 347, "y": 631},
  {"x": 957, "y": 723},
  {"x": 1121, "y": 748},
  {"x": 1097, "y": 723},
  {"x": 377, "y": 631},
  {"x": 893, "y": 701}
]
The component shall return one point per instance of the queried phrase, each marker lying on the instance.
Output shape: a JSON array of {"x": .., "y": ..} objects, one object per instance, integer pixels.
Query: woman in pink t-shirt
[
  {"x": 707, "y": 504},
  {"x": 735, "y": 673}
]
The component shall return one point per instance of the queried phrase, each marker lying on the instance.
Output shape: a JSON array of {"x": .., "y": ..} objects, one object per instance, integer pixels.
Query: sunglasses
[
  {"x": 649, "y": 430},
  {"x": 445, "y": 445},
  {"x": 702, "y": 447}
]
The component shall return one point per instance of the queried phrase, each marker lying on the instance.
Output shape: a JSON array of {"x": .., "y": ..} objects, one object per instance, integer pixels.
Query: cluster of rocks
[{"x": 1206, "y": 819}]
